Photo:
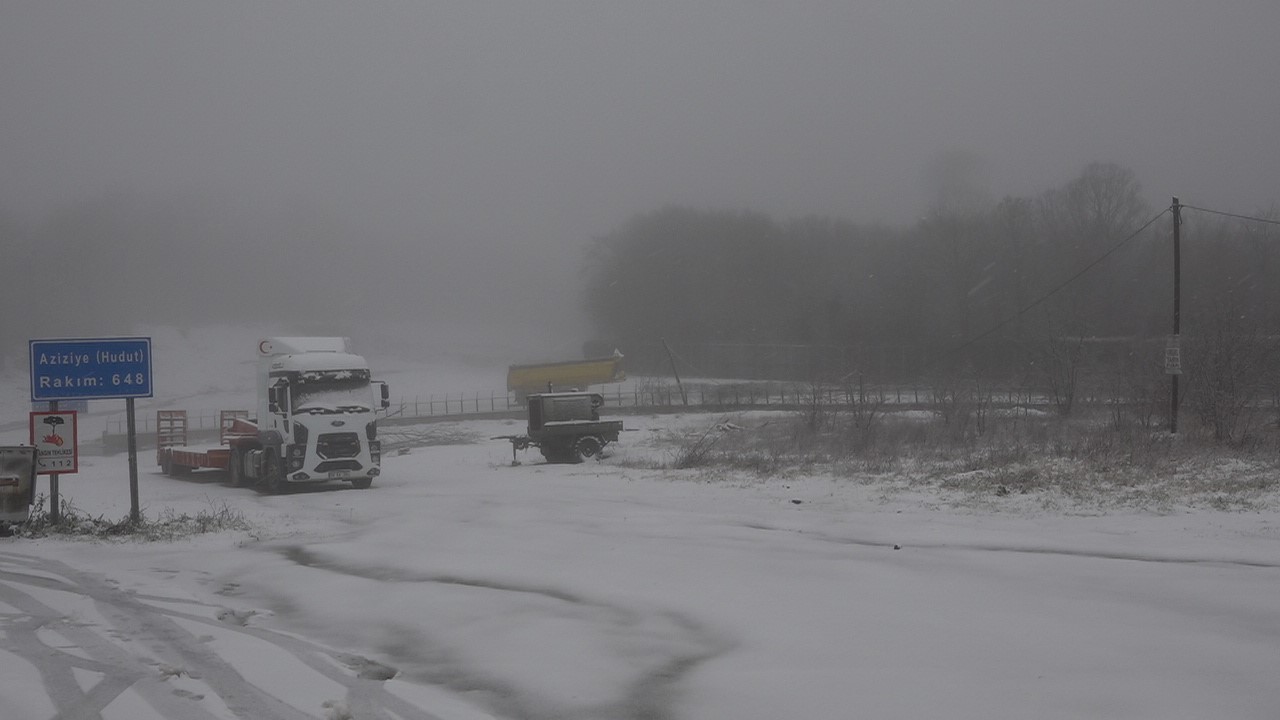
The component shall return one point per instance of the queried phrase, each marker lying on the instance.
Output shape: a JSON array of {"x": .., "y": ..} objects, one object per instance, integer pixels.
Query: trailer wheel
[
  {"x": 587, "y": 446},
  {"x": 559, "y": 452},
  {"x": 235, "y": 469}
]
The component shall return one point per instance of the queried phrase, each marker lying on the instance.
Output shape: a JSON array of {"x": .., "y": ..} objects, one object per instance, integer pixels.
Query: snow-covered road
[
  {"x": 605, "y": 591},
  {"x": 100, "y": 651}
]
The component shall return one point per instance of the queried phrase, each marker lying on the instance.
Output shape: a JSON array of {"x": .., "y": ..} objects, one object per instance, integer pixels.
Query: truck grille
[
  {"x": 331, "y": 465},
  {"x": 338, "y": 445}
]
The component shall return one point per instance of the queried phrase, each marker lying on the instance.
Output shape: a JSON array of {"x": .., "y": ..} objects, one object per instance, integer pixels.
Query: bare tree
[
  {"x": 1104, "y": 202},
  {"x": 1082, "y": 221},
  {"x": 1056, "y": 356},
  {"x": 1230, "y": 369}
]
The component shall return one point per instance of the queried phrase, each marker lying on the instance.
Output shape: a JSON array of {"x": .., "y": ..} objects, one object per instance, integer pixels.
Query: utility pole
[
  {"x": 670, "y": 356},
  {"x": 1176, "y": 340}
]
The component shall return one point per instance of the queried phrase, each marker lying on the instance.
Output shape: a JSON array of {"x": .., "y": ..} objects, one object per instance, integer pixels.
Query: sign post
[
  {"x": 1173, "y": 351},
  {"x": 93, "y": 369},
  {"x": 55, "y": 436}
]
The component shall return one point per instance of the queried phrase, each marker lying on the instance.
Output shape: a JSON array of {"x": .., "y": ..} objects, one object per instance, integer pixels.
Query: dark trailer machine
[{"x": 565, "y": 426}]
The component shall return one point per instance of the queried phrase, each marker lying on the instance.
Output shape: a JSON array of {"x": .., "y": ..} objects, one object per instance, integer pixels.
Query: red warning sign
[{"x": 54, "y": 436}]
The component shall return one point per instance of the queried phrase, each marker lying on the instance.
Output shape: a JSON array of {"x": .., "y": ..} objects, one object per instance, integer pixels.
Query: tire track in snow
[
  {"x": 1022, "y": 549},
  {"x": 143, "y": 646},
  {"x": 650, "y": 695},
  {"x": 1240, "y": 616}
]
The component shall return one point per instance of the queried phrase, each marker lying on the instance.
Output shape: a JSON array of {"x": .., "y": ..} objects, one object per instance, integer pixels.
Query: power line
[
  {"x": 1269, "y": 221},
  {"x": 1038, "y": 301}
]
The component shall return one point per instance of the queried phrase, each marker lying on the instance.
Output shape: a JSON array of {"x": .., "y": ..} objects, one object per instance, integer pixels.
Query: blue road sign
[{"x": 90, "y": 368}]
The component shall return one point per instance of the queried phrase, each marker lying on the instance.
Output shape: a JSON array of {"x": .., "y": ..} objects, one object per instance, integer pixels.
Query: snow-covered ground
[{"x": 461, "y": 586}]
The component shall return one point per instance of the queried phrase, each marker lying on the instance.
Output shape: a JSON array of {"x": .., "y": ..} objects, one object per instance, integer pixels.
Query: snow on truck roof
[
  {"x": 291, "y": 345},
  {"x": 319, "y": 361}
]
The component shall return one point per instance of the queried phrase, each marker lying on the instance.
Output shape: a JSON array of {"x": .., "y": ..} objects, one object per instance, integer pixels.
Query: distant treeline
[
  {"x": 1017, "y": 273},
  {"x": 104, "y": 266}
]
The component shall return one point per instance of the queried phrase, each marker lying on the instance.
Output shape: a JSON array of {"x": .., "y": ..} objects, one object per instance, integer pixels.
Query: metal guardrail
[
  {"x": 146, "y": 423},
  {"x": 657, "y": 398},
  {"x": 698, "y": 396},
  {"x": 711, "y": 396}
]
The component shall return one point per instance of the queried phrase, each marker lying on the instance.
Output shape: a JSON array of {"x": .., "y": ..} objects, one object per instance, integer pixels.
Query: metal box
[{"x": 17, "y": 482}]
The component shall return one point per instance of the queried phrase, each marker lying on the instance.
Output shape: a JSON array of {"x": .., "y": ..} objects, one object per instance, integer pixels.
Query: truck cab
[{"x": 316, "y": 420}]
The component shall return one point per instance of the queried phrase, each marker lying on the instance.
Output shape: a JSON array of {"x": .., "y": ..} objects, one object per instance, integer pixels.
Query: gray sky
[{"x": 484, "y": 127}]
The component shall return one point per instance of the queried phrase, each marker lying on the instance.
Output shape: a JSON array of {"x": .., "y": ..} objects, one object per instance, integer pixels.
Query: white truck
[{"x": 316, "y": 421}]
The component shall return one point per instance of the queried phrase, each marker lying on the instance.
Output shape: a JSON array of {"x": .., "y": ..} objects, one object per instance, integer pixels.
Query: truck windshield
[{"x": 324, "y": 392}]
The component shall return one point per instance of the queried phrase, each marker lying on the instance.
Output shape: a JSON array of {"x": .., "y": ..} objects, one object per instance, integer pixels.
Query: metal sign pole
[
  {"x": 55, "y": 514},
  {"x": 93, "y": 369},
  {"x": 1177, "y": 311},
  {"x": 134, "y": 514}
]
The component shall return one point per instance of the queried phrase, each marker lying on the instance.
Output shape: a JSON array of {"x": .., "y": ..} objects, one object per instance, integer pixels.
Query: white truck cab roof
[{"x": 293, "y": 345}]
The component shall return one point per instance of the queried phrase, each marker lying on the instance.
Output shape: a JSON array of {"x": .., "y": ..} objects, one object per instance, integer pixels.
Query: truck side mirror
[{"x": 384, "y": 394}]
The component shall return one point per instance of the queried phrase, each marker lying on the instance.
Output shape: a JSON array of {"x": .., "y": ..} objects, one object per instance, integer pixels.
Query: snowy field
[{"x": 461, "y": 586}]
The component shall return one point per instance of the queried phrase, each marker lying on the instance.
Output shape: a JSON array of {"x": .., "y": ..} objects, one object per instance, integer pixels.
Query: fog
[{"x": 470, "y": 151}]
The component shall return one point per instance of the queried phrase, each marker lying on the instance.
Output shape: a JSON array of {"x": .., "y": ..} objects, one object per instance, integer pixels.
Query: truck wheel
[
  {"x": 235, "y": 469},
  {"x": 272, "y": 473},
  {"x": 587, "y": 446}
]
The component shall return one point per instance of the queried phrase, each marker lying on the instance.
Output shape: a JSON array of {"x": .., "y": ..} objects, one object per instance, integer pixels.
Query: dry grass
[
  {"x": 1086, "y": 462},
  {"x": 166, "y": 526}
]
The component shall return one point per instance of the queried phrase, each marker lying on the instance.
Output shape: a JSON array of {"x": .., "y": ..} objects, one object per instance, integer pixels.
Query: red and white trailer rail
[{"x": 175, "y": 457}]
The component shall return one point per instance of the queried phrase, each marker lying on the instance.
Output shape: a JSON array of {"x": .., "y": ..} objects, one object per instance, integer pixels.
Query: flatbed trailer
[{"x": 176, "y": 457}]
